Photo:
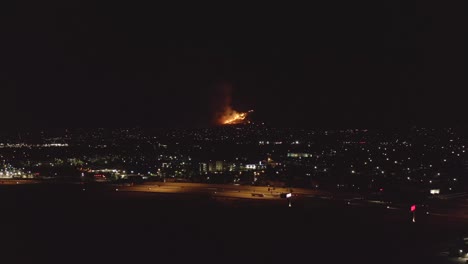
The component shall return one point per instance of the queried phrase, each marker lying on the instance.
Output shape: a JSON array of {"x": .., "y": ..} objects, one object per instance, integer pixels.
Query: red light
[
  {"x": 413, "y": 208},
  {"x": 381, "y": 189}
]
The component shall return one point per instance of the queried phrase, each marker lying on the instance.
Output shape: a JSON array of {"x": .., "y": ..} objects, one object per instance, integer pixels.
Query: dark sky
[{"x": 341, "y": 64}]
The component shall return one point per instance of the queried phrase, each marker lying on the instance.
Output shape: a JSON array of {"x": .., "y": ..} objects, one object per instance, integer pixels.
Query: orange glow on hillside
[{"x": 232, "y": 117}]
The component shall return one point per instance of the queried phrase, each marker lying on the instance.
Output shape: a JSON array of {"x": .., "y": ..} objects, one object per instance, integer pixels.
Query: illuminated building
[
  {"x": 203, "y": 167},
  {"x": 217, "y": 166}
]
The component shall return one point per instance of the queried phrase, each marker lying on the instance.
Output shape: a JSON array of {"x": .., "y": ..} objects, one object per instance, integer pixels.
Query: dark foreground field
[{"x": 63, "y": 224}]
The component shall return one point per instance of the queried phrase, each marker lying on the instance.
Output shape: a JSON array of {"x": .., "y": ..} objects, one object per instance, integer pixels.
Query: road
[
  {"x": 453, "y": 208},
  {"x": 18, "y": 181},
  {"x": 219, "y": 190},
  {"x": 55, "y": 221},
  {"x": 456, "y": 209}
]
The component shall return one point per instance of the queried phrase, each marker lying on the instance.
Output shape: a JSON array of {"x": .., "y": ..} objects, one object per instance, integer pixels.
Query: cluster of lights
[{"x": 22, "y": 145}]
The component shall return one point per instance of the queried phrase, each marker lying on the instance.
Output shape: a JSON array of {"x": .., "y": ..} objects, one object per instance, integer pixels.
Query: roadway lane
[
  {"x": 218, "y": 190},
  {"x": 18, "y": 181}
]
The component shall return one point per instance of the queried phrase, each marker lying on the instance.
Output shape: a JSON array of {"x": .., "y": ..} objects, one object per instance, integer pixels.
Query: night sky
[{"x": 341, "y": 64}]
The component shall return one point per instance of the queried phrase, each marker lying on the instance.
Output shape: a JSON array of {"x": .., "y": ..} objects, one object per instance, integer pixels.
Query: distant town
[{"x": 429, "y": 161}]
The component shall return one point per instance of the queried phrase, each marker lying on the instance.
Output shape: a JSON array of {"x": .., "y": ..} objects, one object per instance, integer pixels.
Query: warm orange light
[{"x": 232, "y": 117}]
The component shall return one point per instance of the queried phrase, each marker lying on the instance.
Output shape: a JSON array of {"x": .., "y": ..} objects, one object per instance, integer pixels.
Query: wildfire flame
[
  {"x": 224, "y": 113},
  {"x": 232, "y": 117}
]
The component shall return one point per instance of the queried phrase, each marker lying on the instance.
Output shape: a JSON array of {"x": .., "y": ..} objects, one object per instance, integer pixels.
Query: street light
[
  {"x": 289, "y": 195},
  {"x": 413, "y": 209}
]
